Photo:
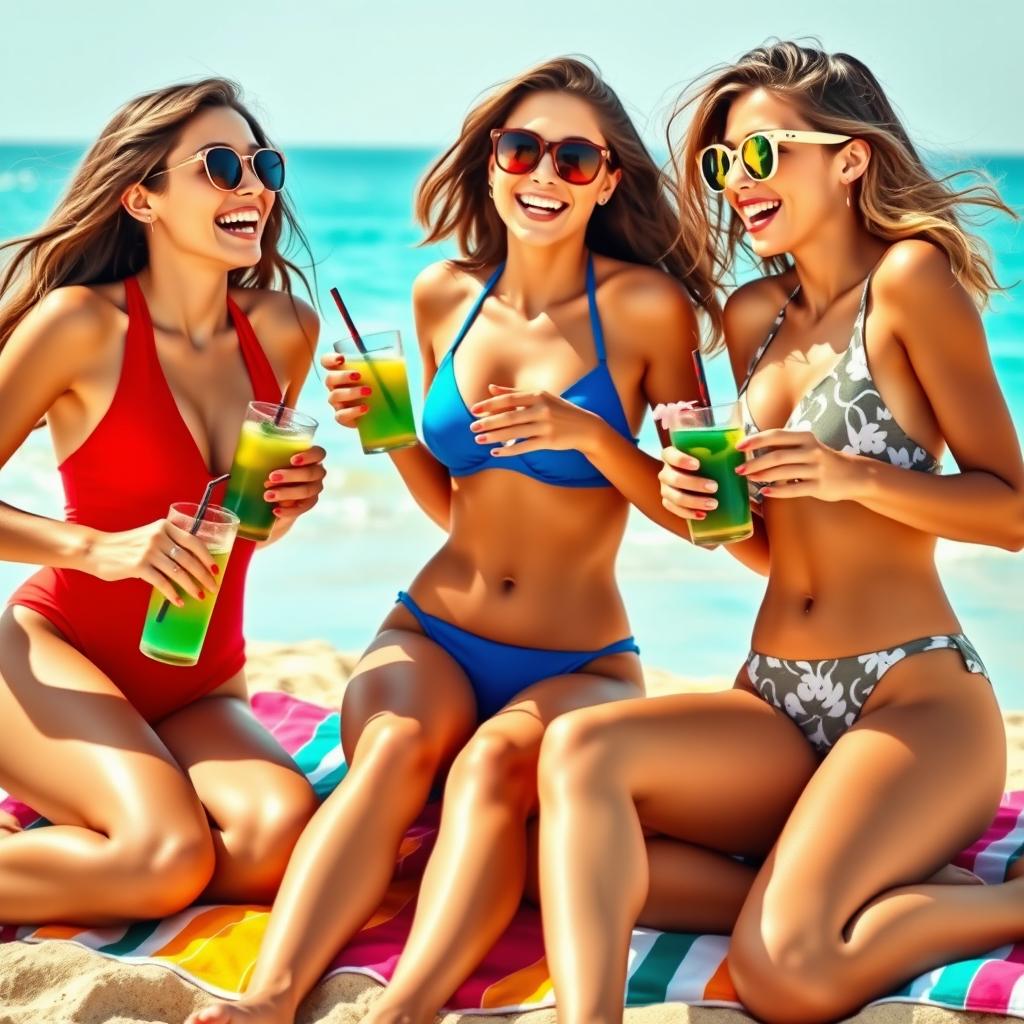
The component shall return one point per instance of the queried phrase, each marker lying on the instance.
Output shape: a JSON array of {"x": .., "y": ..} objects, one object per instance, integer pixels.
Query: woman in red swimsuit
[{"x": 139, "y": 321}]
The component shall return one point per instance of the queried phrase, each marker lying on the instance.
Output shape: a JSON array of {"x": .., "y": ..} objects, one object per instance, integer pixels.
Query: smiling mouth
[
  {"x": 241, "y": 223},
  {"x": 540, "y": 207},
  {"x": 757, "y": 216}
]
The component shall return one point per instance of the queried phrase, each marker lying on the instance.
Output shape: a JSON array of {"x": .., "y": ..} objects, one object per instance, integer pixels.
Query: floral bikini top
[{"x": 844, "y": 409}]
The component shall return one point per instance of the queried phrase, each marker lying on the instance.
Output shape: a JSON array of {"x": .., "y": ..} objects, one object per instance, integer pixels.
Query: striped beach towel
[{"x": 215, "y": 947}]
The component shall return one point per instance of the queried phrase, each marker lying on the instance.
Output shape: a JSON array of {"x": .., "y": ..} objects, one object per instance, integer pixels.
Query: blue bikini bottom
[{"x": 496, "y": 671}]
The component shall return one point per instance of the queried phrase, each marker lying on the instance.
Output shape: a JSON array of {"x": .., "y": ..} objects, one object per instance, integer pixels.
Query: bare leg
[
  {"x": 839, "y": 916},
  {"x": 255, "y": 795},
  {"x": 129, "y": 837},
  {"x": 407, "y": 710},
  {"x": 717, "y": 772},
  {"x": 475, "y": 879}
]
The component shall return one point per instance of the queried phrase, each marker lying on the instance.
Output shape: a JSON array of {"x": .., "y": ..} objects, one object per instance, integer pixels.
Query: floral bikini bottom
[{"x": 825, "y": 697}]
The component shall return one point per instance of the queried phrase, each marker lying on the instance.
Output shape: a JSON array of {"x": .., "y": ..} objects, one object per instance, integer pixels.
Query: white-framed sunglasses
[
  {"x": 225, "y": 168},
  {"x": 758, "y": 154}
]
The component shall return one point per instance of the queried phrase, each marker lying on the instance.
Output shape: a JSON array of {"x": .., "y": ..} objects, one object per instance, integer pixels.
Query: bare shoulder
[
  {"x": 913, "y": 270},
  {"x": 282, "y": 321},
  {"x": 437, "y": 292},
  {"x": 643, "y": 304},
  {"x": 75, "y": 325},
  {"x": 748, "y": 315},
  {"x": 441, "y": 286}
]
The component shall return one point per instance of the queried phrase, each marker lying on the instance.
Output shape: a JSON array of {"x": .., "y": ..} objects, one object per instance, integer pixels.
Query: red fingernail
[
  {"x": 701, "y": 515},
  {"x": 270, "y": 496},
  {"x": 766, "y": 490},
  {"x": 364, "y": 391},
  {"x": 202, "y": 595},
  {"x": 364, "y": 408},
  {"x": 741, "y": 470},
  {"x": 215, "y": 569},
  {"x": 275, "y": 478},
  {"x": 355, "y": 376},
  {"x": 278, "y": 512},
  {"x": 296, "y": 460}
]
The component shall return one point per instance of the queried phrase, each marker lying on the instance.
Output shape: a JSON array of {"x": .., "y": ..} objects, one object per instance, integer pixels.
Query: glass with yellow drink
[
  {"x": 388, "y": 424},
  {"x": 175, "y": 635},
  {"x": 270, "y": 436}
]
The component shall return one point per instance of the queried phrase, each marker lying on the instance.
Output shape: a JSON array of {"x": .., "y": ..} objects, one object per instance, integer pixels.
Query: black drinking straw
[
  {"x": 702, "y": 380},
  {"x": 281, "y": 408},
  {"x": 358, "y": 341},
  {"x": 207, "y": 494}
]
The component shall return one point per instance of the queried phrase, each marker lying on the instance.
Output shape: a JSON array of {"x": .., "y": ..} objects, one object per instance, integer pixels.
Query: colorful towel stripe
[{"x": 215, "y": 947}]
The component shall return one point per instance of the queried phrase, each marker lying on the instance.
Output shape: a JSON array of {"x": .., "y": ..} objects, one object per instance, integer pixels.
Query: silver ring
[{"x": 173, "y": 556}]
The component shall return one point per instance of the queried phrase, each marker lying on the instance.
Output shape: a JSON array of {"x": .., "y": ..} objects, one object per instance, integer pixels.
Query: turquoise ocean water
[{"x": 337, "y": 573}]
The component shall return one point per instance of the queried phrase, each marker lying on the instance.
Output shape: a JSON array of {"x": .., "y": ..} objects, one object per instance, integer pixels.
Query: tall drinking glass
[
  {"x": 270, "y": 437},
  {"x": 710, "y": 435},
  {"x": 176, "y": 635},
  {"x": 389, "y": 424}
]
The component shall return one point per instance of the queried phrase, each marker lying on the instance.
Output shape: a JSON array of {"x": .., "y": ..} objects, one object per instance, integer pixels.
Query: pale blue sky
[{"x": 399, "y": 71}]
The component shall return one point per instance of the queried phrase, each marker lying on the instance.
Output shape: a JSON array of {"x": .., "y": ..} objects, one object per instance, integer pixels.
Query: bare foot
[
  {"x": 953, "y": 875},
  {"x": 264, "y": 1011}
]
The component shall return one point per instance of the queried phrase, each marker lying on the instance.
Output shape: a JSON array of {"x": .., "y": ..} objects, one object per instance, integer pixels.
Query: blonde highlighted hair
[
  {"x": 90, "y": 239},
  {"x": 897, "y": 196},
  {"x": 639, "y": 225}
]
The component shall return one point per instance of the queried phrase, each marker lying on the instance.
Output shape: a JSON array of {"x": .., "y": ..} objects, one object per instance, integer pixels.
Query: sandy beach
[{"x": 52, "y": 983}]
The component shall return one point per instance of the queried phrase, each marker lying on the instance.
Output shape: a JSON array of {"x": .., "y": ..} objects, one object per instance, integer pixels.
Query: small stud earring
[{"x": 603, "y": 200}]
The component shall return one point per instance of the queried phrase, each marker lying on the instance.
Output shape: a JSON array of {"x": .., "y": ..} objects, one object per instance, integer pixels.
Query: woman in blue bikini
[
  {"x": 541, "y": 347},
  {"x": 862, "y": 698}
]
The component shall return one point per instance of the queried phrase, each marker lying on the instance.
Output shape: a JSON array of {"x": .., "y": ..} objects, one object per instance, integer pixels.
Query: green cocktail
[
  {"x": 269, "y": 439},
  {"x": 710, "y": 435},
  {"x": 175, "y": 635},
  {"x": 388, "y": 424}
]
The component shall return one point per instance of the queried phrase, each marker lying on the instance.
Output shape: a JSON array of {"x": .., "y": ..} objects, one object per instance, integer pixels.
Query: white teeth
[
  {"x": 541, "y": 202},
  {"x": 243, "y": 218},
  {"x": 756, "y": 208}
]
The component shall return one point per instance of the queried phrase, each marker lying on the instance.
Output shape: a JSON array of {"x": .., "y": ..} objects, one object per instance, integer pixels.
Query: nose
[
  {"x": 545, "y": 172},
  {"x": 250, "y": 185},
  {"x": 736, "y": 177}
]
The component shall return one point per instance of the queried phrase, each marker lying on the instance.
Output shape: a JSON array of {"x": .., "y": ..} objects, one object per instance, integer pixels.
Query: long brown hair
[
  {"x": 897, "y": 196},
  {"x": 90, "y": 239},
  {"x": 639, "y": 225}
]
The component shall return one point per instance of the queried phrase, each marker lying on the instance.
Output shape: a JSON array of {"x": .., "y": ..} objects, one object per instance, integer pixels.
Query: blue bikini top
[{"x": 446, "y": 417}]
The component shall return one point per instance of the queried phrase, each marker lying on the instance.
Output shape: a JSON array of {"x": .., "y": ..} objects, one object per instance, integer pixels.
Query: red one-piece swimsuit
[{"x": 138, "y": 461}]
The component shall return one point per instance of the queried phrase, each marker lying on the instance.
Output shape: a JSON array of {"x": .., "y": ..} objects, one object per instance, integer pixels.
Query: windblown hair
[
  {"x": 897, "y": 196},
  {"x": 639, "y": 225},
  {"x": 90, "y": 239}
]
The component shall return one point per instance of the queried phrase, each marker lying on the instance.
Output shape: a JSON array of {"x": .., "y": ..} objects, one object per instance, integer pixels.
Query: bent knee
[
  {"x": 166, "y": 869},
  {"x": 264, "y": 831},
  {"x": 577, "y": 749},
  {"x": 787, "y": 974},
  {"x": 398, "y": 747},
  {"x": 494, "y": 765}
]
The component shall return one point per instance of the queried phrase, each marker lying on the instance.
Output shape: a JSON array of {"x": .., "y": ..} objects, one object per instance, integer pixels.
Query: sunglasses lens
[
  {"x": 758, "y": 158},
  {"x": 714, "y": 166},
  {"x": 517, "y": 152},
  {"x": 269, "y": 167},
  {"x": 577, "y": 162},
  {"x": 224, "y": 168}
]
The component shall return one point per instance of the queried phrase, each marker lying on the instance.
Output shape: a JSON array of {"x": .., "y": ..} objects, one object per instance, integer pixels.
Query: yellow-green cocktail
[
  {"x": 388, "y": 424},
  {"x": 175, "y": 635},
  {"x": 270, "y": 437}
]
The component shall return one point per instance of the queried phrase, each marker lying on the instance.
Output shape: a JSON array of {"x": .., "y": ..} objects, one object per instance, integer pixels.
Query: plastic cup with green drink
[
  {"x": 271, "y": 435},
  {"x": 710, "y": 434},
  {"x": 388, "y": 423},
  {"x": 175, "y": 635}
]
